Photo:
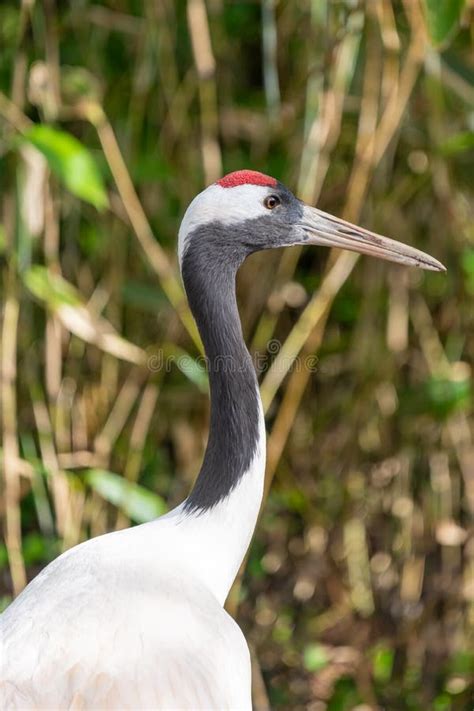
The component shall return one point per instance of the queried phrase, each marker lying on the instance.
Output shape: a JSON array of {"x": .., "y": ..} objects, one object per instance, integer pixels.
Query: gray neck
[{"x": 209, "y": 272}]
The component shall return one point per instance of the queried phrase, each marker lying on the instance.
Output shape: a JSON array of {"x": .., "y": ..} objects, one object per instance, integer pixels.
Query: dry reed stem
[
  {"x": 400, "y": 95},
  {"x": 53, "y": 346},
  {"x": 138, "y": 437},
  {"x": 357, "y": 556},
  {"x": 11, "y": 471},
  {"x": 439, "y": 366},
  {"x": 172, "y": 129},
  {"x": 115, "y": 21},
  {"x": 11, "y": 110},
  {"x": 366, "y": 128},
  {"x": 79, "y": 423},
  {"x": 270, "y": 59},
  {"x": 388, "y": 28},
  {"x": 260, "y": 698},
  {"x": 459, "y": 432},
  {"x": 392, "y": 45},
  {"x": 429, "y": 339},
  {"x": 79, "y": 459},
  {"x": 24, "y": 468},
  {"x": 52, "y": 99},
  {"x": 57, "y": 479},
  {"x": 206, "y": 68},
  {"x": 440, "y": 69},
  {"x": 140, "y": 429},
  {"x": 53, "y": 96},
  {"x": 138, "y": 220},
  {"x": 117, "y": 418},
  {"x": 326, "y": 127},
  {"x": 312, "y": 314},
  {"x": 289, "y": 406},
  {"x": 14, "y": 115},
  {"x": 397, "y": 318},
  {"x": 163, "y": 25}
]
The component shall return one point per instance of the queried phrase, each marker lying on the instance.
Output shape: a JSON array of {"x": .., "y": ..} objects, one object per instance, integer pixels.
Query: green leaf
[
  {"x": 3, "y": 556},
  {"x": 143, "y": 296},
  {"x": 50, "y": 287},
  {"x": 446, "y": 396},
  {"x": 194, "y": 370},
  {"x": 3, "y": 239},
  {"x": 254, "y": 566},
  {"x": 283, "y": 628},
  {"x": 467, "y": 261},
  {"x": 459, "y": 143},
  {"x": 463, "y": 72},
  {"x": 462, "y": 662},
  {"x": 382, "y": 664},
  {"x": 136, "y": 502},
  {"x": 38, "y": 549},
  {"x": 315, "y": 657},
  {"x": 442, "y": 702},
  {"x": 345, "y": 695},
  {"x": 72, "y": 162},
  {"x": 5, "y": 600},
  {"x": 294, "y": 500},
  {"x": 438, "y": 397},
  {"x": 63, "y": 299},
  {"x": 442, "y": 17}
]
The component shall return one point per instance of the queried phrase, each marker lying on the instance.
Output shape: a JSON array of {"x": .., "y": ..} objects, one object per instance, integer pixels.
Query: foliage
[
  {"x": 442, "y": 18},
  {"x": 71, "y": 162},
  {"x": 359, "y": 588},
  {"x": 136, "y": 502}
]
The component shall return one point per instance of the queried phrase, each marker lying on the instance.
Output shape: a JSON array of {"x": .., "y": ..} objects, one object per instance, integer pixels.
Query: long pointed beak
[{"x": 324, "y": 229}]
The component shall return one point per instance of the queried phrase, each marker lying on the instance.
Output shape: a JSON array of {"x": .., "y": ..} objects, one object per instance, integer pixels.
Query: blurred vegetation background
[{"x": 359, "y": 588}]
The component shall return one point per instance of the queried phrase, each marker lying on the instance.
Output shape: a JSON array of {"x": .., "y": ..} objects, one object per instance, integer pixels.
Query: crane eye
[{"x": 271, "y": 201}]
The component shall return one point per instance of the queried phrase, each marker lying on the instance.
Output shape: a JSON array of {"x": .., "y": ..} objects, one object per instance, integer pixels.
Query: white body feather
[{"x": 134, "y": 619}]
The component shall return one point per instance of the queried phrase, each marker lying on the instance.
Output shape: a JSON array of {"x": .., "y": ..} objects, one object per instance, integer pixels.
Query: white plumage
[
  {"x": 113, "y": 624},
  {"x": 134, "y": 619}
]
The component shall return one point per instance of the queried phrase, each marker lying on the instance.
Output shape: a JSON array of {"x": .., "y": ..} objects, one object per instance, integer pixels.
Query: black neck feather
[{"x": 209, "y": 271}]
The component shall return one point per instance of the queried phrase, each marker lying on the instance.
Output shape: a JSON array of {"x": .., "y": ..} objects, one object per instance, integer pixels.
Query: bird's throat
[
  {"x": 227, "y": 494},
  {"x": 234, "y": 431}
]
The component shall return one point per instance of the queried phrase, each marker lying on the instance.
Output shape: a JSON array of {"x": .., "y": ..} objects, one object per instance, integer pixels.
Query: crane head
[{"x": 247, "y": 211}]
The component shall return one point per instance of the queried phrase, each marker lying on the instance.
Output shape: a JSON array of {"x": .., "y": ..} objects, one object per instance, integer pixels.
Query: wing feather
[{"x": 95, "y": 634}]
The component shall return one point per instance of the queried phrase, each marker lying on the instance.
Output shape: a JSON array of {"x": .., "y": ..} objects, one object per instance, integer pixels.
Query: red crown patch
[{"x": 246, "y": 177}]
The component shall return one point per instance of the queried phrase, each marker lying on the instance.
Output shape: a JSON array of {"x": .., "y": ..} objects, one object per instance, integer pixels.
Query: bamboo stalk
[
  {"x": 138, "y": 436},
  {"x": 11, "y": 110},
  {"x": 155, "y": 254},
  {"x": 206, "y": 68},
  {"x": 11, "y": 470},
  {"x": 117, "y": 418}
]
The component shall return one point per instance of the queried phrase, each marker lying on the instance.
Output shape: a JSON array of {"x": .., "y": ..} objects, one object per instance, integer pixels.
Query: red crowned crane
[{"x": 134, "y": 619}]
